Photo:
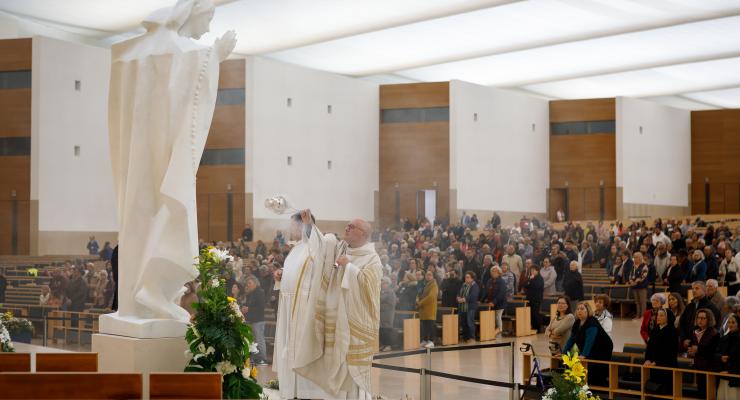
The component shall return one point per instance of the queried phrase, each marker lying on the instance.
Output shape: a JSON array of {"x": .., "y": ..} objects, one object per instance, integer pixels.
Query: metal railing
[{"x": 426, "y": 372}]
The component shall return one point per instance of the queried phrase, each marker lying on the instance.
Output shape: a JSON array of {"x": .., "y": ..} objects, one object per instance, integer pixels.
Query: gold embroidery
[{"x": 300, "y": 281}]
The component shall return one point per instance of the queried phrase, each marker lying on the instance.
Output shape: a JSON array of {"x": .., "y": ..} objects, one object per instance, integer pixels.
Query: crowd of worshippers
[{"x": 74, "y": 286}]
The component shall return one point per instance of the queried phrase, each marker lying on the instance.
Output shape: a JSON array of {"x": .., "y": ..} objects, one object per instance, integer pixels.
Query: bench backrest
[
  {"x": 67, "y": 362},
  {"x": 66, "y": 385},
  {"x": 205, "y": 385},
  {"x": 15, "y": 362}
]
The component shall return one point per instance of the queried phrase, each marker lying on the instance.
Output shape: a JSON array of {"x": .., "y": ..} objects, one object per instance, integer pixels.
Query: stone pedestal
[{"x": 128, "y": 354}]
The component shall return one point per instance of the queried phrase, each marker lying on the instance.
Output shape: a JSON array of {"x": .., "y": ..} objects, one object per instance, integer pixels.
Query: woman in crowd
[
  {"x": 662, "y": 349},
  {"x": 427, "y": 306},
  {"x": 672, "y": 276},
  {"x": 593, "y": 342},
  {"x": 615, "y": 274},
  {"x": 510, "y": 280},
  {"x": 728, "y": 358},
  {"x": 534, "y": 289},
  {"x": 560, "y": 325},
  {"x": 676, "y": 305},
  {"x": 549, "y": 276},
  {"x": 496, "y": 295},
  {"x": 467, "y": 301},
  {"x": 45, "y": 295},
  {"x": 729, "y": 270},
  {"x": 698, "y": 270},
  {"x": 703, "y": 345},
  {"x": 450, "y": 288},
  {"x": 586, "y": 256},
  {"x": 601, "y": 312},
  {"x": 99, "y": 290},
  {"x": 407, "y": 289},
  {"x": 649, "y": 317}
]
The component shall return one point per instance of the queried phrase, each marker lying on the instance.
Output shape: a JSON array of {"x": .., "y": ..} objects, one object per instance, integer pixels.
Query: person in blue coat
[{"x": 698, "y": 270}]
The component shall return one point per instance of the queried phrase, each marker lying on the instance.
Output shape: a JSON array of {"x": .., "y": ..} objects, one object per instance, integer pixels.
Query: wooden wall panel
[
  {"x": 583, "y": 110},
  {"x": 232, "y": 74},
  {"x": 15, "y": 112},
  {"x": 592, "y": 203},
  {"x": 576, "y": 204},
  {"x": 610, "y": 203},
  {"x": 401, "y": 148},
  {"x": 215, "y": 178},
  {"x": 217, "y": 213},
  {"x": 732, "y": 198},
  {"x": 583, "y": 160},
  {"x": 202, "y": 205},
  {"x": 556, "y": 202},
  {"x": 15, "y": 175},
  {"x": 16, "y": 54},
  {"x": 715, "y": 138},
  {"x": 227, "y": 128},
  {"x": 415, "y": 95}
]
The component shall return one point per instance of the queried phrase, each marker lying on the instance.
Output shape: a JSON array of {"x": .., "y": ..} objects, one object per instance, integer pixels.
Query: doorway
[{"x": 426, "y": 205}]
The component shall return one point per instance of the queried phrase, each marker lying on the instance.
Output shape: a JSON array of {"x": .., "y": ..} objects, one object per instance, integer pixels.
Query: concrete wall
[
  {"x": 499, "y": 156},
  {"x": 653, "y": 158},
  {"x": 311, "y": 136},
  {"x": 74, "y": 192}
]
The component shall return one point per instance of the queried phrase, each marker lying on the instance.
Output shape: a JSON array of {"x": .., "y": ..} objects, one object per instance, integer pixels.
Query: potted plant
[
  {"x": 19, "y": 329},
  {"x": 571, "y": 384}
]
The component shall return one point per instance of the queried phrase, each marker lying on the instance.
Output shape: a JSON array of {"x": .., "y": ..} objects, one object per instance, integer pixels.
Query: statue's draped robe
[
  {"x": 162, "y": 96},
  {"x": 339, "y": 329}
]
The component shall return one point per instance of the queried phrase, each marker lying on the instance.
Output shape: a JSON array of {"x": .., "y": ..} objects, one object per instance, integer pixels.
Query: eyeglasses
[{"x": 700, "y": 317}]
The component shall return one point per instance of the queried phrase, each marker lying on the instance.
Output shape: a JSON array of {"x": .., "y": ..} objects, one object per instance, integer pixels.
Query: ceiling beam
[{"x": 548, "y": 43}]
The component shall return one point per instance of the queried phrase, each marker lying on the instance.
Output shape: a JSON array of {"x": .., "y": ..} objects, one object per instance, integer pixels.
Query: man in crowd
[{"x": 516, "y": 266}]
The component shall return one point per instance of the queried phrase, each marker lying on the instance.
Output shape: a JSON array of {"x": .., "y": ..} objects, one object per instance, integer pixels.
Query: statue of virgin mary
[{"x": 162, "y": 96}]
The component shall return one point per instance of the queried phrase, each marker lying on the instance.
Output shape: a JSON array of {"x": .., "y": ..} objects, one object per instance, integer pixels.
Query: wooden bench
[
  {"x": 450, "y": 325},
  {"x": 205, "y": 385},
  {"x": 15, "y": 362},
  {"x": 66, "y": 362},
  {"x": 411, "y": 329},
  {"x": 67, "y": 385}
]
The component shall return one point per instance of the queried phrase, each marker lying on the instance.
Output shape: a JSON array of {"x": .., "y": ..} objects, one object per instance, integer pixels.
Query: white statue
[{"x": 162, "y": 96}]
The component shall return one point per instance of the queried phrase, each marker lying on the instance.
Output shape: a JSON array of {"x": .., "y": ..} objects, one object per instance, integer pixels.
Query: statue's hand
[{"x": 225, "y": 44}]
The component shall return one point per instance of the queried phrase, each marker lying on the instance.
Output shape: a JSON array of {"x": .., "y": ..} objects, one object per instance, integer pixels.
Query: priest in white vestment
[
  {"x": 339, "y": 323},
  {"x": 295, "y": 287}
]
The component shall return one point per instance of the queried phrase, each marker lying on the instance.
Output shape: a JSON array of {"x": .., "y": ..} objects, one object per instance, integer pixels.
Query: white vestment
[
  {"x": 339, "y": 325},
  {"x": 298, "y": 267}
]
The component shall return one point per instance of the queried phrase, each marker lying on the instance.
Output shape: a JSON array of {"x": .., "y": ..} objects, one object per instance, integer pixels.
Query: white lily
[
  {"x": 253, "y": 348},
  {"x": 210, "y": 350}
]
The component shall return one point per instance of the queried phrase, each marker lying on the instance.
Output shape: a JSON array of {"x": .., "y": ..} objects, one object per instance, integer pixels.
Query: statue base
[
  {"x": 119, "y": 354},
  {"x": 133, "y": 327}
]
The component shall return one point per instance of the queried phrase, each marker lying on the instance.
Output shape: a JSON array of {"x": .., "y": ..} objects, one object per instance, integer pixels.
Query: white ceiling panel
[
  {"x": 726, "y": 98},
  {"x": 676, "y": 79},
  {"x": 681, "y": 102},
  {"x": 699, "y": 41},
  {"x": 507, "y": 28}
]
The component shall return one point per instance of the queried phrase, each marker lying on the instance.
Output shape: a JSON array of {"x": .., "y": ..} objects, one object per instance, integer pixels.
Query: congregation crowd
[{"x": 464, "y": 265}]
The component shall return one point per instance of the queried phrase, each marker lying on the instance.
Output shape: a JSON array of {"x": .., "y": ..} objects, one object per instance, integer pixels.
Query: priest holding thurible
[{"x": 329, "y": 313}]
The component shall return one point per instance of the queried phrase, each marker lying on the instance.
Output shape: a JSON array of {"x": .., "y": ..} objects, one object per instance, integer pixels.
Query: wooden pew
[
  {"x": 205, "y": 385},
  {"x": 15, "y": 362},
  {"x": 450, "y": 326},
  {"x": 66, "y": 362},
  {"x": 66, "y": 385},
  {"x": 487, "y": 322},
  {"x": 411, "y": 329}
]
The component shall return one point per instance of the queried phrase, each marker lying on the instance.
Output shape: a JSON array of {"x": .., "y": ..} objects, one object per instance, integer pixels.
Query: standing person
[
  {"x": 677, "y": 306},
  {"x": 450, "y": 288},
  {"x": 510, "y": 280},
  {"x": 672, "y": 276},
  {"x": 688, "y": 318},
  {"x": 649, "y": 319},
  {"x": 254, "y": 314},
  {"x": 387, "y": 313},
  {"x": 560, "y": 262},
  {"x": 558, "y": 330},
  {"x": 348, "y": 309},
  {"x": 639, "y": 284},
  {"x": 728, "y": 354},
  {"x": 593, "y": 342},
  {"x": 427, "y": 306},
  {"x": 534, "y": 289},
  {"x": 703, "y": 346},
  {"x": 730, "y": 272},
  {"x": 549, "y": 277},
  {"x": 496, "y": 295},
  {"x": 92, "y": 246},
  {"x": 513, "y": 260},
  {"x": 467, "y": 301},
  {"x": 77, "y": 294},
  {"x": 698, "y": 271},
  {"x": 714, "y": 295},
  {"x": 573, "y": 284},
  {"x": 662, "y": 349},
  {"x": 247, "y": 233},
  {"x": 601, "y": 312},
  {"x": 107, "y": 252}
]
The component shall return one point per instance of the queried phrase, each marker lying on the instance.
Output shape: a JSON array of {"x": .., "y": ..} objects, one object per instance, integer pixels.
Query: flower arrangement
[
  {"x": 16, "y": 326},
  {"x": 571, "y": 385},
  {"x": 218, "y": 338},
  {"x": 6, "y": 346}
]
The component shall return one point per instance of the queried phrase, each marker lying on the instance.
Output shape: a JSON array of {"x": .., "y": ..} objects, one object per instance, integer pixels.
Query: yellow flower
[
  {"x": 254, "y": 373},
  {"x": 570, "y": 360},
  {"x": 231, "y": 299}
]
